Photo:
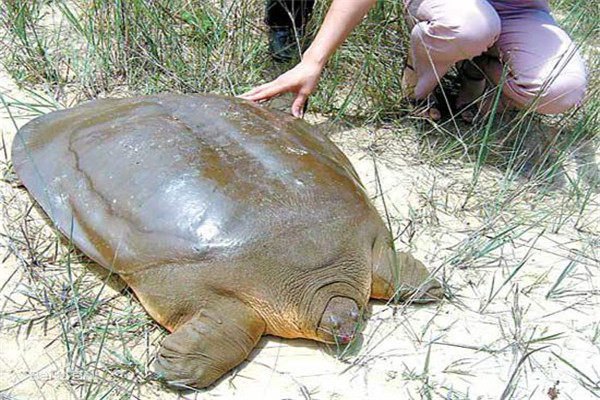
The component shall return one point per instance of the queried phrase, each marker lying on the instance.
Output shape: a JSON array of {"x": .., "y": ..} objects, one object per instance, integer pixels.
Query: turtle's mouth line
[{"x": 339, "y": 337}]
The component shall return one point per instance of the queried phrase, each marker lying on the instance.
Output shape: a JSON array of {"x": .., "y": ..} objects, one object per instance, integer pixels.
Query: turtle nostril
[{"x": 344, "y": 338}]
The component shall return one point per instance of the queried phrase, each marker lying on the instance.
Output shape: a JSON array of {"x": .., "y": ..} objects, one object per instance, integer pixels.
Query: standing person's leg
[
  {"x": 287, "y": 20},
  {"x": 544, "y": 68},
  {"x": 443, "y": 33}
]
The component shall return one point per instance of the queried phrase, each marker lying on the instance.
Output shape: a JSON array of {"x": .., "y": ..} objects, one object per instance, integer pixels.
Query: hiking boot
[
  {"x": 287, "y": 21},
  {"x": 284, "y": 44}
]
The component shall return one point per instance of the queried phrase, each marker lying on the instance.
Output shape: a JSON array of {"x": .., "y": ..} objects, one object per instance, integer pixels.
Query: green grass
[{"x": 147, "y": 47}]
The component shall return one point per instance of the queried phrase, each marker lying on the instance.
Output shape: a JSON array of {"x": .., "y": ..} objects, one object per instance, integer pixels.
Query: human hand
[{"x": 302, "y": 80}]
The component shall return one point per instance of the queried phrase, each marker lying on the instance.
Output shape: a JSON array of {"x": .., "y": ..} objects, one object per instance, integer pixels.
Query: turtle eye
[
  {"x": 354, "y": 315},
  {"x": 334, "y": 322}
]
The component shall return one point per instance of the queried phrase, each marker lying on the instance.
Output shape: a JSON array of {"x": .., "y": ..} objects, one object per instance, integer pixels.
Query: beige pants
[{"x": 543, "y": 67}]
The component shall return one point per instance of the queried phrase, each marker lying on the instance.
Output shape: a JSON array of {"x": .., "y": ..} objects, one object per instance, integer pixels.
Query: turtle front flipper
[
  {"x": 207, "y": 346},
  {"x": 401, "y": 277}
]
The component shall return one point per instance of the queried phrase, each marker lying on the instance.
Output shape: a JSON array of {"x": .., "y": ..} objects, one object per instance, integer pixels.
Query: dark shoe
[
  {"x": 287, "y": 21},
  {"x": 284, "y": 44},
  {"x": 428, "y": 108},
  {"x": 472, "y": 82}
]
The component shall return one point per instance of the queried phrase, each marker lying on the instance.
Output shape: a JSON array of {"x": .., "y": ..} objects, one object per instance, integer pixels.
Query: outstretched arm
[{"x": 342, "y": 17}]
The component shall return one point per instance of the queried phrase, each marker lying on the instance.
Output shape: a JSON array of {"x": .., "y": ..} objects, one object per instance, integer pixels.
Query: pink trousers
[{"x": 544, "y": 70}]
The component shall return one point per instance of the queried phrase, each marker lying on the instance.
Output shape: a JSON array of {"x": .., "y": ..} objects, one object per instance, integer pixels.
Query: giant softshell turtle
[{"x": 228, "y": 220}]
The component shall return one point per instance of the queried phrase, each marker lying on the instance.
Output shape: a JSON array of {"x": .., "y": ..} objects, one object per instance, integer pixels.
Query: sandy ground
[{"x": 507, "y": 331}]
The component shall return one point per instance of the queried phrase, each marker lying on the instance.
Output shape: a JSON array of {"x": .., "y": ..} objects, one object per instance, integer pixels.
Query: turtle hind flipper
[{"x": 398, "y": 276}]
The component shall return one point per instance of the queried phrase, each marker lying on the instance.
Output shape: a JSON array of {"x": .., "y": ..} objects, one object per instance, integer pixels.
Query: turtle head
[{"x": 340, "y": 321}]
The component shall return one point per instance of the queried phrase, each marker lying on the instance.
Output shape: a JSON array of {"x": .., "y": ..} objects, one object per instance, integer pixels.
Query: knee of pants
[
  {"x": 468, "y": 32},
  {"x": 563, "y": 93}
]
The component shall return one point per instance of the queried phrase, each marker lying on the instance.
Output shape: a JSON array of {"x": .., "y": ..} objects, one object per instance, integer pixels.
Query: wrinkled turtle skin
[{"x": 228, "y": 220}]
